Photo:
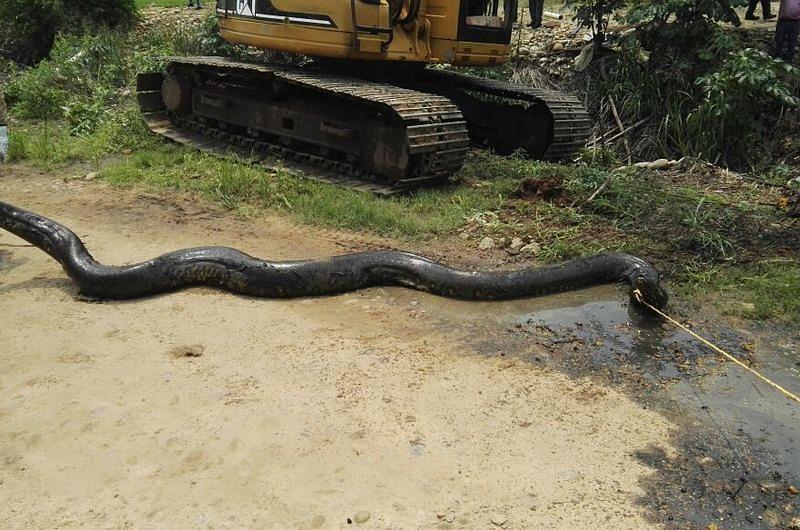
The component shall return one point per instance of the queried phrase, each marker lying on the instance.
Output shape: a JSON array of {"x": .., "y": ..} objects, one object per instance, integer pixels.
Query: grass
[
  {"x": 241, "y": 185},
  {"x": 161, "y": 3}
]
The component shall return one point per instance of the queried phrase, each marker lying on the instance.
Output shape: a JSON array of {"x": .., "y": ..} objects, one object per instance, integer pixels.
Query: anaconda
[{"x": 231, "y": 270}]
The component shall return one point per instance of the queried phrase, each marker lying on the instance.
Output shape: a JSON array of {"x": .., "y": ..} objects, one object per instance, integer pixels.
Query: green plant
[
  {"x": 596, "y": 14},
  {"x": 688, "y": 28},
  {"x": 28, "y": 27},
  {"x": 747, "y": 85}
]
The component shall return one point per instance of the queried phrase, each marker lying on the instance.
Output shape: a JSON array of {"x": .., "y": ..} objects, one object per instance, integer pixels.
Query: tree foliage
[
  {"x": 678, "y": 64},
  {"x": 28, "y": 27}
]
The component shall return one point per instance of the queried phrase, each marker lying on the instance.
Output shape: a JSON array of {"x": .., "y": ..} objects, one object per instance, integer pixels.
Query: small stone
[
  {"x": 517, "y": 243},
  {"x": 487, "y": 243},
  {"x": 440, "y": 515},
  {"x": 792, "y": 490},
  {"x": 794, "y": 524},
  {"x": 464, "y": 235},
  {"x": 91, "y": 176},
  {"x": 705, "y": 460},
  {"x": 558, "y": 46},
  {"x": 661, "y": 163},
  {"x": 499, "y": 519},
  {"x": 531, "y": 248},
  {"x": 127, "y": 151},
  {"x": 362, "y": 517}
]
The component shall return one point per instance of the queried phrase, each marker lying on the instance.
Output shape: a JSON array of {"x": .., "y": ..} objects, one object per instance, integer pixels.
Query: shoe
[
  {"x": 535, "y": 25},
  {"x": 770, "y": 17},
  {"x": 749, "y": 16}
]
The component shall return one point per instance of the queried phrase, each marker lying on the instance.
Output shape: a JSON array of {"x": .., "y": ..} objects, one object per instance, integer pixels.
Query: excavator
[{"x": 378, "y": 106}]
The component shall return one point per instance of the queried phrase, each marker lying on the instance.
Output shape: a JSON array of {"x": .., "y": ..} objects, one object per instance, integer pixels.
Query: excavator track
[
  {"x": 363, "y": 134},
  {"x": 558, "y": 136}
]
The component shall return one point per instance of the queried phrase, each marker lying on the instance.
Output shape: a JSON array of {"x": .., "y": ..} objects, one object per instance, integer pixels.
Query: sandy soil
[{"x": 205, "y": 409}]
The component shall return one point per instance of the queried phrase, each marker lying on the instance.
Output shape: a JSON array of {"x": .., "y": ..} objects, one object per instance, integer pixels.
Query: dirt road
[{"x": 200, "y": 408}]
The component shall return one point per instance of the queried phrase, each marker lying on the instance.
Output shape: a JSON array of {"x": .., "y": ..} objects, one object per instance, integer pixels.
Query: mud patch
[
  {"x": 734, "y": 457},
  {"x": 550, "y": 189},
  {"x": 8, "y": 260},
  {"x": 191, "y": 350}
]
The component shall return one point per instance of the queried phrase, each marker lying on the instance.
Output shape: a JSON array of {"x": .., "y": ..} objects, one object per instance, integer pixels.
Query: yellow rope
[{"x": 638, "y": 294}]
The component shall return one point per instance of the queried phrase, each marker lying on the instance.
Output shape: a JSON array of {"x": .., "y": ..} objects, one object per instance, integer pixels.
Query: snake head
[
  {"x": 649, "y": 288},
  {"x": 645, "y": 285}
]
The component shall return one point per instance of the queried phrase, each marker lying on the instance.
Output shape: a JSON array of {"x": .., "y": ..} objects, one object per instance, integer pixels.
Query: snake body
[{"x": 231, "y": 270}]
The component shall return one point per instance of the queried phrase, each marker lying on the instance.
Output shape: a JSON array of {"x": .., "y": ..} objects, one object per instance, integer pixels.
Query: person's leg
[
  {"x": 778, "y": 39},
  {"x": 782, "y": 31},
  {"x": 791, "y": 39},
  {"x": 3, "y": 142},
  {"x": 751, "y": 10},
  {"x": 766, "y": 10},
  {"x": 3, "y": 127},
  {"x": 536, "y": 7}
]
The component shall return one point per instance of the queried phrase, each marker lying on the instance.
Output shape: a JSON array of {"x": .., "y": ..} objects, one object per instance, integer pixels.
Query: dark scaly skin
[{"x": 232, "y": 270}]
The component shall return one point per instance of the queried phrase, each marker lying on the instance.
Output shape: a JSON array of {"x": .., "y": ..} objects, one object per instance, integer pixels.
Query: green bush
[
  {"x": 28, "y": 27},
  {"x": 736, "y": 95}
]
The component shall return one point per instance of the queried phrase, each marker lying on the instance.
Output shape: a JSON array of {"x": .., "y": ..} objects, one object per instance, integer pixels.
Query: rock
[
  {"x": 125, "y": 93},
  {"x": 127, "y": 151},
  {"x": 705, "y": 461},
  {"x": 499, "y": 519},
  {"x": 464, "y": 235},
  {"x": 487, "y": 243},
  {"x": 794, "y": 524},
  {"x": 91, "y": 176},
  {"x": 362, "y": 517},
  {"x": 516, "y": 243},
  {"x": 531, "y": 248},
  {"x": 440, "y": 515},
  {"x": 558, "y": 46},
  {"x": 661, "y": 163}
]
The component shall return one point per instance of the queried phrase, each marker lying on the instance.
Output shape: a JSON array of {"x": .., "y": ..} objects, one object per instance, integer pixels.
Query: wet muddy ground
[
  {"x": 737, "y": 457},
  {"x": 384, "y": 408}
]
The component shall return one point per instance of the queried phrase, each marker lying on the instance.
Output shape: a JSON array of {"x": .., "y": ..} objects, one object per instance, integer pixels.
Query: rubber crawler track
[{"x": 232, "y": 270}]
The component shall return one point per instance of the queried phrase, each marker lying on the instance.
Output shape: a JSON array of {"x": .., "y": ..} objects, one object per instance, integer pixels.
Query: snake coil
[{"x": 232, "y": 270}]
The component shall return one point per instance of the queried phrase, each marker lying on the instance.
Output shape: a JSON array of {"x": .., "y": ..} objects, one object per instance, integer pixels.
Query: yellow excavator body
[{"x": 457, "y": 32}]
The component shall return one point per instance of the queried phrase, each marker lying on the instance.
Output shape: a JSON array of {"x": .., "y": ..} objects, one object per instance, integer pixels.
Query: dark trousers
[
  {"x": 536, "y": 7},
  {"x": 765, "y": 7},
  {"x": 786, "y": 33}
]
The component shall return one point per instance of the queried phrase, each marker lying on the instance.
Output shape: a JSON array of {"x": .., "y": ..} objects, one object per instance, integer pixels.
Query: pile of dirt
[{"x": 550, "y": 189}]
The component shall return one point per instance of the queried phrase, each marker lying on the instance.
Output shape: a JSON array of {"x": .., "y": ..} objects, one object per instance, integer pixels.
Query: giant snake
[{"x": 232, "y": 270}]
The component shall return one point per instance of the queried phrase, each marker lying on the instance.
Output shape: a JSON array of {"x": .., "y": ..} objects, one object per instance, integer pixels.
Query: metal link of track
[
  {"x": 572, "y": 125},
  {"x": 436, "y": 131}
]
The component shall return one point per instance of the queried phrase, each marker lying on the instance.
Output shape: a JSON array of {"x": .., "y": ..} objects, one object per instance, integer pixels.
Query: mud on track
[{"x": 204, "y": 408}]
